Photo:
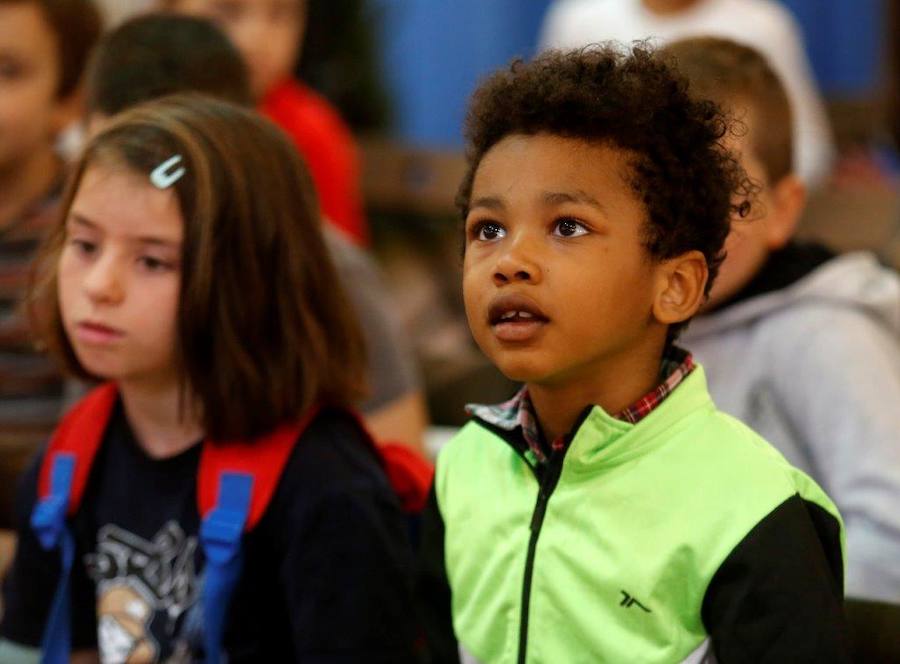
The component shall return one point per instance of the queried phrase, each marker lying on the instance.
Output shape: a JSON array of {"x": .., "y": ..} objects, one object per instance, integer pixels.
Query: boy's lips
[
  {"x": 92, "y": 332},
  {"x": 515, "y": 318}
]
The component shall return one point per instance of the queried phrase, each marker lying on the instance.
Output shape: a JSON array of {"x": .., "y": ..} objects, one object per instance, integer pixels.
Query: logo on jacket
[{"x": 628, "y": 601}]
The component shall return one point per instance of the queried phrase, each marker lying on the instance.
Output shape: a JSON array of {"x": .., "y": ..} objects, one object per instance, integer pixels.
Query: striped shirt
[{"x": 31, "y": 388}]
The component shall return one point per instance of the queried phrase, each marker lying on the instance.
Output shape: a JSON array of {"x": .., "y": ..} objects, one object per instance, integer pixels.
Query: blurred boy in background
[
  {"x": 44, "y": 45},
  {"x": 800, "y": 344},
  {"x": 269, "y": 34}
]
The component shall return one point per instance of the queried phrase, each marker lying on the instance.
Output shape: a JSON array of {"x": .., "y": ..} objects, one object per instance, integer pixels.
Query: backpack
[{"x": 235, "y": 483}]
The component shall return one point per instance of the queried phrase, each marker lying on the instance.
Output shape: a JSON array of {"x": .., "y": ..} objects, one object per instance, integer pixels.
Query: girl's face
[{"x": 119, "y": 277}]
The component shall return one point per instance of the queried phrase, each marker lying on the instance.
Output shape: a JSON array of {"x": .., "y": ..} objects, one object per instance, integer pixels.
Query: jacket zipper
[{"x": 547, "y": 485}]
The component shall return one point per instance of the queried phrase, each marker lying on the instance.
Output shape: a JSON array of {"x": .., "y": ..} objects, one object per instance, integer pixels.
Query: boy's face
[
  {"x": 557, "y": 283},
  {"x": 268, "y": 33},
  {"x": 769, "y": 226},
  {"x": 30, "y": 112}
]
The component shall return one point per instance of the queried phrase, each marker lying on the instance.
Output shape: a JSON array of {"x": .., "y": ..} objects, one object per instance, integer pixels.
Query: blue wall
[
  {"x": 845, "y": 40},
  {"x": 435, "y": 51}
]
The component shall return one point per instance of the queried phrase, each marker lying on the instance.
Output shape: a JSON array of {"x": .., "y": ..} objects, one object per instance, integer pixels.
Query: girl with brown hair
[{"x": 189, "y": 272}]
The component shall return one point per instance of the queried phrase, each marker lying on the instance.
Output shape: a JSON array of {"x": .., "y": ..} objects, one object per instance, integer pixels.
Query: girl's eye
[
  {"x": 488, "y": 231},
  {"x": 153, "y": 264},
  {"x": 84, "y": 247},
  {"x": 568, "y": 227}
]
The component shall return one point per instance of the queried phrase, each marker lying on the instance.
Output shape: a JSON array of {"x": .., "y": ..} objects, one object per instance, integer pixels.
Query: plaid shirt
[{"x": 519, "y": 411}]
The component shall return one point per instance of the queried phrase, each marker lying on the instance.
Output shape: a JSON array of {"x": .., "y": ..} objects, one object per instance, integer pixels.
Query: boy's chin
[{"x": 521, "y": 372}]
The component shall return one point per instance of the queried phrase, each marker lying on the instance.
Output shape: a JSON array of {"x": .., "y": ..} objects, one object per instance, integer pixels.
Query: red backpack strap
[
  {"x": 409, "y": 473},
  {"x": 263, "y": 459},
  {"x": 79, "y": 433}
]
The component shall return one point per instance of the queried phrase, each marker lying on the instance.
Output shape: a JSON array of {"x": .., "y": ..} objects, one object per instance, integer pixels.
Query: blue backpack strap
[
  {"x": 220, "y": 537},
  {"x": 49, "y": 523}
]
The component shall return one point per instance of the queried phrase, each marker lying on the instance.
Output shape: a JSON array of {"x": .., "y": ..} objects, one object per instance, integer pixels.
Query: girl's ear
[{"x": 681, "y": 285}]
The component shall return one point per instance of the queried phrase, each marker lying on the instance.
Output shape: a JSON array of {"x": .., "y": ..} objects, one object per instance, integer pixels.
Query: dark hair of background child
[
  {"x": 733, "y": 74},
  {"x": 264, "y": 330},
  {"x": 129, "y": 67},
  {"x": 633, "y": 101},
  {"x": 76, "y": 26}
]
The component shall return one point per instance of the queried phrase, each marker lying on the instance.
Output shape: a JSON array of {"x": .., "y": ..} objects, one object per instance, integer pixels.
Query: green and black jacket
[{"x": 683, "y": 538}]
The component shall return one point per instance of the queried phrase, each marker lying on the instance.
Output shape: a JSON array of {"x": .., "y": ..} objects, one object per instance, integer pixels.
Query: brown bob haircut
[
  {"x": 264, "y": 329},
  {"x": 741, "y": 80},
  {"x": 76, "y": 26}
]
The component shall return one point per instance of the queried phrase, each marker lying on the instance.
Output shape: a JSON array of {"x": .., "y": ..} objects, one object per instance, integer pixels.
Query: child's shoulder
[{"x": 335, "y": 451}]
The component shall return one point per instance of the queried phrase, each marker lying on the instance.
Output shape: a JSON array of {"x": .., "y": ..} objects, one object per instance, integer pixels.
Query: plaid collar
[{"x": 519, "y": 411}]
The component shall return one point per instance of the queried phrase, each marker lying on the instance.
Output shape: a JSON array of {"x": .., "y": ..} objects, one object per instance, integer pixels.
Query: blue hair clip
[{"x": 163, "y": 176}]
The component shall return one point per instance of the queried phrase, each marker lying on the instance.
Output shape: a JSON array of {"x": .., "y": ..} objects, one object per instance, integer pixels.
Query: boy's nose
[{"x": 517, "y": 264}]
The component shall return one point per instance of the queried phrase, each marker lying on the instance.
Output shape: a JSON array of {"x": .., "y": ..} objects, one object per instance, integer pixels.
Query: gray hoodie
[{"x": 815, "y": 368}]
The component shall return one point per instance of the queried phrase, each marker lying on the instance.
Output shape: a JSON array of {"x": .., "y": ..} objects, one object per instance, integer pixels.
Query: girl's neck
[
  {"x": 163, "y": 423},
  {"x": 23, "y": 184}
]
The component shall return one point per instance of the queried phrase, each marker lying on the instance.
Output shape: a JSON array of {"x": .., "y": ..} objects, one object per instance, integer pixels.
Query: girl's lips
[{"x": 97, "y": 333}]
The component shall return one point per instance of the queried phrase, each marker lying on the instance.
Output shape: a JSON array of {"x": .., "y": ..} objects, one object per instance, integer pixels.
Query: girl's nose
[{"x": 103, "y": 282}]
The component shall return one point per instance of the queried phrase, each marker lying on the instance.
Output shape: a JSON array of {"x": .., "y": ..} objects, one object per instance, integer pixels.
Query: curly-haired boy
[{"x": 608, "y": 512}]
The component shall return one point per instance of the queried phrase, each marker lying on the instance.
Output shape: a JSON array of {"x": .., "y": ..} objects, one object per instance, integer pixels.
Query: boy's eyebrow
[
  {"x": 489, "y": 202},
  {"x": 81, "y": 220},
  {"x": 577, "y": 196}
]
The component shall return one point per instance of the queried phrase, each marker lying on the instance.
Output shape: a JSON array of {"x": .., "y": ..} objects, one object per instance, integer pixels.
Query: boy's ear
[
  {"x": 682, "y": 281},
  {"x": 788, "y": 202}
]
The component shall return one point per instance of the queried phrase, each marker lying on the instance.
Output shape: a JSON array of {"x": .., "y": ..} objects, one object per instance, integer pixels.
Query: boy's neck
[
  {"x": 162, "y": 424},
  {"x": 558, "y": 406},
  {"x": 22, "y": 184}
]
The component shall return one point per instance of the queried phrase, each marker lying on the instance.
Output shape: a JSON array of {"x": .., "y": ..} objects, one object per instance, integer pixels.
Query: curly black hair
[{"x": 634, "y": 100}]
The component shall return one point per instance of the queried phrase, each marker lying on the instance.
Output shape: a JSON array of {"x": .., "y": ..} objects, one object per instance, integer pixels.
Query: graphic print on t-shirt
[{"x": 144, "y": 590}]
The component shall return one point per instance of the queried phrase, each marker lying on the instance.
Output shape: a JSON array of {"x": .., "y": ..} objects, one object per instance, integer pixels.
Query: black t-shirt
[{"x": 326, "y": 574}]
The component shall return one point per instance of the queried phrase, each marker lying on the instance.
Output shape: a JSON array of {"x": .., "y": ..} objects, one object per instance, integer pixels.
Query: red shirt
[{"x": 327, "y": 147}]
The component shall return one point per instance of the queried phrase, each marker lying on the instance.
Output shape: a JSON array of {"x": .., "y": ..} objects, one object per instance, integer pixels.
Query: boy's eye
[
  {"x": 568, "y": 227},
  {"x": 489, "y": 230}
]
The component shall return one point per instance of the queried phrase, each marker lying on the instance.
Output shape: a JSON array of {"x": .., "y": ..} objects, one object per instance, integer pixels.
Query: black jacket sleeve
[
  {"x": 30, "y": 585},
  {"x": 778, "y": 596},
  {"x": 433, "y": 588}
]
